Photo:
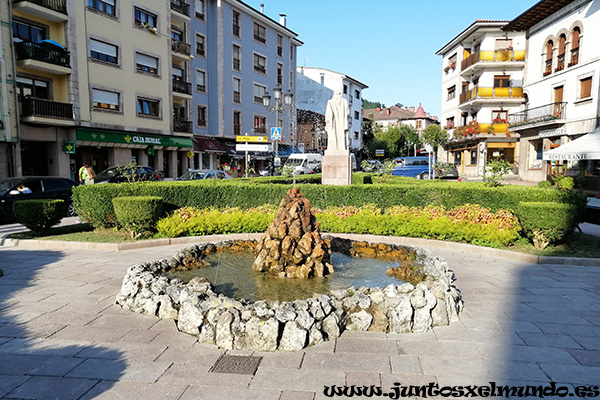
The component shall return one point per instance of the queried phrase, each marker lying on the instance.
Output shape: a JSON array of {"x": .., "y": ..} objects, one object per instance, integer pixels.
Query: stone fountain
[{"x": 292, "y": 246}]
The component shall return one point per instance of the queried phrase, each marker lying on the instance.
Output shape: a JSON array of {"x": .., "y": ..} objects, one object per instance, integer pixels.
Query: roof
[
  {"x": 479, "y": 23},
  {"x": 396, "y": 113},
  {"x": 421, "y": 112},
  {"x": 307, "y": 116},
  {"x": 535, "y": 14},
  {"x": 335, "y": 72}
]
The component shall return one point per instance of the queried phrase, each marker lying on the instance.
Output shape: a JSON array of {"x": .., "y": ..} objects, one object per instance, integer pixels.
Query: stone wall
[{"x": 278, "y": 325}]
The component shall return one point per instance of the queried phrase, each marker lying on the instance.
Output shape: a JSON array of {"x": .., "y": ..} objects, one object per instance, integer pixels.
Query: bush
[
  {"x": 565, "y": 183},
  {"x": 39, "y": 215},
  {"x": 546, "y": 223},
  {"x": 138, "y": 214},
  {"x": 544, "y": 184}
]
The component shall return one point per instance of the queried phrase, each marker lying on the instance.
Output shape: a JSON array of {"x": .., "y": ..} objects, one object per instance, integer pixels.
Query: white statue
[{"x": 336, "y": 122}]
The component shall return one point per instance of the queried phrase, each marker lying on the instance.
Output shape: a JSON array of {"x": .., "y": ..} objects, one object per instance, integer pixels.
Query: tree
[
  {"x": 371, "y": 104},
  {"x": 435, "y": 136}
]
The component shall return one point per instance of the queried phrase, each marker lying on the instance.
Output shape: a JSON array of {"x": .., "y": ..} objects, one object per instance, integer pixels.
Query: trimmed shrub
[
  {"x": 565, "y": 183},
  {"x": 39, "y": 215},
  {"x": 546, "y": 223},
  {"x": 544, "y": 184},
  {"x": 138, "y": 214}
]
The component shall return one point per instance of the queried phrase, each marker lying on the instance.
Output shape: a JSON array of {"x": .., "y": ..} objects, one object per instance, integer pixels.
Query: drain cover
[{"x": 246, "y": 365}]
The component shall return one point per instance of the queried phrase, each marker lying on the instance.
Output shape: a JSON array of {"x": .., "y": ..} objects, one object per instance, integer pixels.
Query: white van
[{"x": 303, "y": 163}]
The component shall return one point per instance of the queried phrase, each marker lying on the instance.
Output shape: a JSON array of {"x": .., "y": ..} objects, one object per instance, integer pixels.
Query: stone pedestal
[{"x": 336, "y": 168}]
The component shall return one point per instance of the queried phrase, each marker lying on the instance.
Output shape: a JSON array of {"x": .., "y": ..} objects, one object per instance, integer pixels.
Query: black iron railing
[
  {"x": 54, "y": 5},
  {"x": 33, "y": 107},
  {"x": 45, "y": 52},
  {"x": 544, "y": 114},
  {"x": 182, "y": 87},
  {"x": 181, "y": 125},
  {"x": 181, "y": 7},
  {"x": 181, "y": 47}
]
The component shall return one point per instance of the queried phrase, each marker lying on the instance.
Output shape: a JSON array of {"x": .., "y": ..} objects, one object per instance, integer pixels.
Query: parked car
[
  {"x": 317, "y": 169},
  {"x": 39, "y": 187},
  {"x": 419, "y": 167},
  {"x": 373, "y": 166},
  {"x": 196, "y": 174},
  {"x": 121, "y": 174},
  {"x": 446, "y": 171}
]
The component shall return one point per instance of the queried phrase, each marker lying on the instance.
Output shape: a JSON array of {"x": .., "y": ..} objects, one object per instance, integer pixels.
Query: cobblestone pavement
[{"x": 63, "y": 337}]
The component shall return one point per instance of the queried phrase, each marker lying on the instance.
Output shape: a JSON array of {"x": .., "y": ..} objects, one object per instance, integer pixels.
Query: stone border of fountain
[{"x": 278, "y": 325}]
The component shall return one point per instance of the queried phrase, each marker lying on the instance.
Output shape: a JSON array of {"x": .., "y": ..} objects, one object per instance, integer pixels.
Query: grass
[
  {"x": 78, "y": 233},
  {"x": 575, "y": 245}
]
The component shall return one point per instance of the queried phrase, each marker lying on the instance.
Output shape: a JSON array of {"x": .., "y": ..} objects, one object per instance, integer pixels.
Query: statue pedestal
[{"x": 336, "y": 168}]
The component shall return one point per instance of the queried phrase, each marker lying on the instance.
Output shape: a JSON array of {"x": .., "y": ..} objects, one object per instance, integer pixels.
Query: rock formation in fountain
[{"x": 292, "y": 247}]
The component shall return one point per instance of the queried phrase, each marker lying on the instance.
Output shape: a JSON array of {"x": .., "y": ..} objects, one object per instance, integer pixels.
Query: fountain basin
[{"x": 290, "y": 325}]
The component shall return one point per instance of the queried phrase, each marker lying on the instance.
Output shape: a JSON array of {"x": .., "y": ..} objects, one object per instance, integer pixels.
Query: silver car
[{"x": 197, "y": 174}]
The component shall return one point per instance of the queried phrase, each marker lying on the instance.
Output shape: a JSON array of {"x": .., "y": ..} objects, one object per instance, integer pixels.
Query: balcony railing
[
  {"x": 560, "y": 62},
  {"x": 492, "y": 93},
  {"x": 45, "y": 52},
  {"x": 544, "y": 114},
  {"x": 548, "y": 67},
  {"x": 34, "y": 107},
  {"x": 181, "y": 7},
  {"x": 493, "y": 56},
  {"x": 182, "y": 87},
  {"x": 574, "y": 57},
  {"x": 181, "y": 47},
  {"x": 54, "y": 5},
  {"x": 181, "y": 125}
]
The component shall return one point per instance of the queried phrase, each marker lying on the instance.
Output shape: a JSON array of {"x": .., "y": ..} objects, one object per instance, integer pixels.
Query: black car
[
  {"x": 34, "y": 187},
  {"x": 127, "y": 174}
]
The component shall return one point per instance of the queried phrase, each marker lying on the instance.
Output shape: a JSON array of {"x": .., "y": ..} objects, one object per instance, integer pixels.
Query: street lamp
[{"x": 278, "y": 107}]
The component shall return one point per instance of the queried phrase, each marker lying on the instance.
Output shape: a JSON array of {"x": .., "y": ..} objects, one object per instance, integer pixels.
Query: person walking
[
  {"x": 83, "y": 173},
  {"x": 90, "y": 175}
]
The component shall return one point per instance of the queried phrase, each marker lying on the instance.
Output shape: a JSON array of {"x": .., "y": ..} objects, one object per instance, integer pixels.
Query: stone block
[{"x": 337, "y": 170}]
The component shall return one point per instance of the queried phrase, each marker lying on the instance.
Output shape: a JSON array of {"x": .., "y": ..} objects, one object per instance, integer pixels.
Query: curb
[{"x": 529, "y": 258}]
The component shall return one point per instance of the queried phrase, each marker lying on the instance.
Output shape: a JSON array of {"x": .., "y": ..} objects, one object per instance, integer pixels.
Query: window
[
  {"x": 177, "y": 73},
  {"x": 449, "y": 123},
  {"x": 28, "y": 32},
  {"x": 235, "y": 25},
  {"x": 575, "y": 46},
  {"x": 473, "y": 157},
  {"x": 451, "y": 92},
  {"x": 345, "y": 89},
  {"x": 237, "y": 56},
  {"x": 501, "y": 81},
  {"x": 548, "y": 65},
  {"x": 148, "y": 107},
  {"x": 260, "y": 64},
  {"x": 355, "y": 135},
  {"x": 503, "y": 44},
  {"x": 260, "y": 124},
  {"x": 237, "y": 122},
  {"x": 280, "y": 74},
  {"x": 356, "y": 115},
  {"x": 237, "y": 90},
  {"x": 103, "y": 51},
  {"x": 357, "y": 94},
  {"x": 105, "y": 100},
  {"x": 200, "y": 45},
  {"x": 419, "y": 124},
  {"x": 258, "y": 92},
  {"x": 176, "y": 34},
  {"x": 322, "y": 78},
  {"x": 260, "y": 33},
  {"x": 146, "y": 63},
  {"x": 280, "y": 45},
  {"x": 33, "y": 88},
  {"x": 585, "y": 87},
  {"x": 499, "y": 116},
  {"x": 560, "y": 59},
  {"x": 199, "y": 9},
  {"x": 144, "y": 18},
  {"x": 201, "y": 116},
  {"x": 105, "y": 6},
  {"x": 200, "y": 81},
  {"x": 179, "y": 113}
]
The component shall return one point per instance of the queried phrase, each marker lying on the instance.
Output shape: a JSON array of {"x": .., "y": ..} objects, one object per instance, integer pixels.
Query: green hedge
[
  {"x": 39, "y": 215},
  {"x": 546, "y": 222},
  {"x": 138, "y": 214},
  {"x": 94, "y": 202}
]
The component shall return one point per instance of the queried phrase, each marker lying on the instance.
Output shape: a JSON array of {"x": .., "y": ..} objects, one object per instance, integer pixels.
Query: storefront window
[
  {"x": 535, "y": 154},
  {"x": 473, "y": 157}
]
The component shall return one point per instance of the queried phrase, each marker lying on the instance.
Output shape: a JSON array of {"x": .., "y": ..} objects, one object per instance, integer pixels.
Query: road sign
[
  {"x": 379, "y": 152},
  {"x": 276, "y": 133},
  {"x": 265, "y": 148},
  {"x": 252, "y": 139},
  {"x": 190, "y": 154}
]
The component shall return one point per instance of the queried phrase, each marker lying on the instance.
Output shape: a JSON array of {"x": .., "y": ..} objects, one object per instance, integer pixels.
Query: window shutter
[
  {"x": 103, "y": 48},
  {"x": 102, "y": 96}
]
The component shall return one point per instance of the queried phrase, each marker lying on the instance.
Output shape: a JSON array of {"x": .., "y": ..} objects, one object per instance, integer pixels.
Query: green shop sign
[
  {"x": 97, "y": 135},
  {"x": 68, "y": 147}
]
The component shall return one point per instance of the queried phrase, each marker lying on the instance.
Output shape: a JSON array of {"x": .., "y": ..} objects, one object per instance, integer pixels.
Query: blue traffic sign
[{"x": 276, "y": 133}]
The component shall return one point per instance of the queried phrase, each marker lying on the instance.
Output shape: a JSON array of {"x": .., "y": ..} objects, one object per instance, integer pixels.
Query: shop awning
[
  {"x": 208, "y": 145},
  {"x": 586, "y": 147}
]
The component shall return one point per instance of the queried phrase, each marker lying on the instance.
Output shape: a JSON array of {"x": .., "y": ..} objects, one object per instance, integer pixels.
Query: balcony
[
  {"x": 181, "y": 7},
  {"x": 498, "y": 58},
  {"x": 481, "y": 130},
  {"x": 182, "y": 87},
  {"x": 549, "y": 114},
  {"x": 47, "y": 112},
  {"x": 492, "y": 93},
  {"x": 50, "y": 10},
  {"x": 44, "y": 57},
  {"x": 181, "y": 49},
  {"x": 181, "y": 125}
]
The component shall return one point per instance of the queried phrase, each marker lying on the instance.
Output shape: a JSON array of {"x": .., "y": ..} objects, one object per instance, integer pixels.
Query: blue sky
[{"x": 389, "y": 45}]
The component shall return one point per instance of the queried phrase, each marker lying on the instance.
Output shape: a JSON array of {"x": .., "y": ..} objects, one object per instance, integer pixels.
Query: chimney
[
  {"x": 282, "y": 19},
  {"x": 387, "y": 111},
  {"x": 378, "y": 108},
  {"x": 411, "y": 109},
  {"x": 262, "y": 8}
]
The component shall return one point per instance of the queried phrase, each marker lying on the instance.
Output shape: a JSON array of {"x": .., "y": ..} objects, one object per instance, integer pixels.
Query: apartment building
[
  {"x": 8, "y": 115},
  {"x": 560, "y": 86},
  {"x": 482, "y": 83},
  {"x": 155, "y": 82},
  {"x": 316, "y": 87}
]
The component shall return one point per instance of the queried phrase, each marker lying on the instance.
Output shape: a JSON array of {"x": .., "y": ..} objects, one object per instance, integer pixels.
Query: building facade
[
  {"x": 482, "y": 82},
  {"x": 316, "y": 87},
  {"x": 560, "y": 84}
]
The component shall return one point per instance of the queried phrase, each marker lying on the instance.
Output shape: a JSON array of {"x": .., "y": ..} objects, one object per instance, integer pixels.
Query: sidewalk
[{"x": 62, "y": 336}]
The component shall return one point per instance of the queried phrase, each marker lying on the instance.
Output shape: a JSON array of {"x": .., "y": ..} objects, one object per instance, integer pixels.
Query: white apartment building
[
  {"x": 560, "y": 84},
  {"x": 315, "y": 86},
  {"x": 482, "y": 83}
]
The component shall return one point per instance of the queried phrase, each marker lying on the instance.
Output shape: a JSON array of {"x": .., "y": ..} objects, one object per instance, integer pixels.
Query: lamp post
[{"x": 278, "y": 107}]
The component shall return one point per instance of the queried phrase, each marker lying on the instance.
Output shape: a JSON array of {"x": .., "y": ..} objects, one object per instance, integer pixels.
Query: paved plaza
[{"x": 63, "y": 337}]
